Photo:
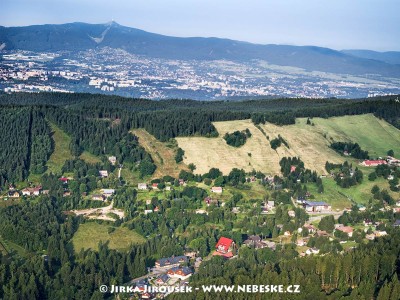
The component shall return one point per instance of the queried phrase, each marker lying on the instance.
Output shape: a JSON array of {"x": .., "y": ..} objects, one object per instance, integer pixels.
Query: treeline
[
  {"x": 387, "y": 110},
  {"x": 351, "y": 149}
]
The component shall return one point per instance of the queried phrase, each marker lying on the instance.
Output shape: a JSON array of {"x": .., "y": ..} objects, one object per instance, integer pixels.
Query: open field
[
  {"x": 90, "y": 234},
  {"x": 311, "y": 143},
  {"x": 372, "y": 134},
  {"x": 163, "y": 156}
]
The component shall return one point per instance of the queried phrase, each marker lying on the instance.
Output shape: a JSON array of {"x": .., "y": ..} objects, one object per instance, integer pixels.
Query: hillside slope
[{"x": 311, "y": 143}]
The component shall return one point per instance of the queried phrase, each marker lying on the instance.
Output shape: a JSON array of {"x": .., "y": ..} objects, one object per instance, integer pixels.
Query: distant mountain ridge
[{"x": 83, "y": 36}]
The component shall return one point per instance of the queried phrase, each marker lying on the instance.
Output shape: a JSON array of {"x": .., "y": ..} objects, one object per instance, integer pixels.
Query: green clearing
[
  {"x": 61, "y": 150},
  {"x": 340, "y": 198},
  {"x": 372, "y": 134},
  {"x": 90, "y": 234}
]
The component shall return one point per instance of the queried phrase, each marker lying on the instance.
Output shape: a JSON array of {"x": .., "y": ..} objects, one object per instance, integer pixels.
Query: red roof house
[{"x": 224, "y": 247}]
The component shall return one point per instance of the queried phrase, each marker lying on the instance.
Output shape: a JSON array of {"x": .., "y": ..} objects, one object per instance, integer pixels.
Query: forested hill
[{"x": 96, "y": 123}]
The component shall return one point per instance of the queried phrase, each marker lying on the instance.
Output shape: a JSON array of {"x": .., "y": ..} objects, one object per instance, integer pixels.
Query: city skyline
[{"x": 338, "y": 25}]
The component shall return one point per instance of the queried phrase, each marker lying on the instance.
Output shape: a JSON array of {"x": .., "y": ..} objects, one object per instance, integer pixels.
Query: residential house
[
  {"x": 142, "y": 186},
  {"x": 255, "y": 242},
  {"x": 270, "y": 245},
  {"x": 209, "y": 201},
  {"x": 180, "y": 272},
  {"x": 380, "y": 233},
  {"x": 397, "y": 223},
  {"x": 107, "y": 192},
  {"x": 270, "y": 204},
  {"x": 311, "y": 206},
  {"x": 13, "y": 194},
  {"x": 162, "y": 279},
  {"x": 31, "y": 191},
  {"x": 148, "y": 211},
  {"x": 301, "y": 242},
  {"x": 112, "y": 160},
  {"x": 311, "y": 228},
  {"x": 98, "y": 197},
  {"x": 312, "y": 251},
  {"x": 291, "y": 213},
  {"x": 346, "y": 229},
  {"x": 171, "y": 261},
  {"x": 216, "y": 189},
  {"x": 224, "y": 247},
  {"x": 103, "y": 173},
  {"x": 370, "y": 237},
  {"x": 64, "y": 180},
  {"x": 198, "y": 262}
]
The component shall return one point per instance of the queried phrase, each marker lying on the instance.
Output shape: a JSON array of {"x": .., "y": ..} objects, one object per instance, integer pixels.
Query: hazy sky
[{"x": 338, "y": 24}]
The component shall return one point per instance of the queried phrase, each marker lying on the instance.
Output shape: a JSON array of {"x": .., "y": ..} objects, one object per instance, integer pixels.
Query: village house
[
  {"x": 380, "y": 233},
  {"x": 209, "y": 201},
  {"x": 216, "y": 189},
  {"x": 162, "y": 279},
  {"x": 311, "y": 228},
  {"x": 198, "y": 262},
  {"x": 270, "y": 245},
  {"x": 142, "y": 186},
  {"x": 370, "y": 237},
  {"x": 103, "y": 173},
  {"x": 98, "y": 197},
  {"x": 66, "y": 193},
  {"x": 31, "y": 191},
  {"x": 301, "y": 242},
  {"x": 311, "y": 206},
  {"x": 181, "y": 273},
  {"x": 373, "y": 163},
  {"x": 224, "y": 247},
  {"x": 201, "y": 212},
  {"x": 107, "y": 192},
  {"x": 112, "y": 160},
  {"x": 64, "y": 180},
  {"x": 270, "y": 204},
  {"x": 148, "y": 211},
  {"x": 171, "y": 261},
  {"x": 255, "y": 242},
  {"x": 291, "y": 213},
  {"x": 346, "y": 229},
  {"x": 154, "y": 186},
  {"x": 310, "y": 251},
  {"x": 182, "y": 182},
  {"x": 396, "y": 223},
  {"x": 13, "y": 194},
  {"x": 168, "y": 188}
]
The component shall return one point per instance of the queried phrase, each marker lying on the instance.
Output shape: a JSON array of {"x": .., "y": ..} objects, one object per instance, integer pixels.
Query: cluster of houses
[
  {"x": 388, "y": 161},
  {"x": 28, "y": 191}
]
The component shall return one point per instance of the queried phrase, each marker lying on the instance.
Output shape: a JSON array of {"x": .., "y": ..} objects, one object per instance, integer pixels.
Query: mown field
[
  {"x": 311, "y": 143},
  {"x": 90, "y": 234}
]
